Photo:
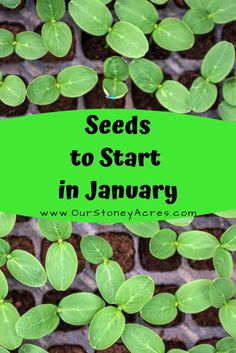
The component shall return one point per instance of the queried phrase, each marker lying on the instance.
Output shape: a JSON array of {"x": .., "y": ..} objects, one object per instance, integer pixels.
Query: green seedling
[
  {"x": 10, "y": 4},
  {"x": 72, "y": 82},
  {"x": 57, "y": 35},
  {"x": 116, "y": 71},
  {"x": 8, "y": 318},
  {"x": 225, "y": 345},
  {"x": 94, "y": 17},
  {"x": 227, "y": 109},
  {"x": 149, "y": 77},
  {"x": 30, "y": 348},
  {"x": 216, "y": 66},
  {"x": 7, "y": 223},
  {"x": 227, "y": 214},
  {"x": 61, "y": 259},
  {"x": 27, "y": 45},
  {"x": 204, "y": 14},
  {"x": 12, "y": 90},
  {"x": 159, "y": 2}
]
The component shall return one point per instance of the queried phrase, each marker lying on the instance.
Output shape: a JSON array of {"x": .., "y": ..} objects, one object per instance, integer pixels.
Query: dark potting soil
[
  {"x": 66, "y": 349},
  {"x": 62, "y": 104},
  {"x": 188, "y": 77},
  {"x": 181, "y": 3},
  {"x": 207, "y": 318},
  {"x": 176, "y": 343},
  {"x": 123, "y": 249},
  {"x": 22, "y": 300},
  {"x": 152, "y": 264},
  {"x": 116, "y": 348},
  {"x": 54, "y": 297},
  {"x": 95, "y": 48},
  {"x": 75, "y": 241},
  {"x": 206, "y": 265},
  {"x": 156, "y": 53},
  {"x": 52, "y": 58},
  {"x": 228, "y": 32},
  {"x": 21, "y": 219},
  {"x": 15, "y": 28},
  {"x": 97, "y": 98},
  {"x": 202, "y": 45}
]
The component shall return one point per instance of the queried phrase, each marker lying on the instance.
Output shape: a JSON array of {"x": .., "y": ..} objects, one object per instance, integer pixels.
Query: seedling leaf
[
  {"x": 38, "y": 322},
  {"x": 181, "y": 222},
  {"x": 227, "y": 315},
  {"x": 109, "y": 278},
  {"x": 163, "y": 244},
  {"x": 227, "y": 214},
  {"x": 3, "y": 286},
  {"x": 221, "y": 290},
  {"x": 228, "y": 239},
  {"x": 222, "y": 12},
  {"x": 127, "y": 40},
  {"x": 8, "y": 318},
  {"x": 55, "y": 230},
  {"x": 61, "y": 265},
  {"x": 203, "y": 348},
  {"x": 51, "y": 10},
  {"x": 106, "y": 328},
  {"x": 229, "y": 91},
  {"x": 135, "y": 293},
  {"x": 114, "y": 89},
  {"x": 4, "y": 251},
  {"x": 140, "y": 339},
  {"x": 143, "y": 229},
  {"x": 160, "y": 310},
  {"x": 57, "y": 38},
  {"x": 79, "y": 308},
  {"x": 116, "y": 68},
  {"x": 228, "y": 113},
  {"x": 26, "y": 269},
  {"x": 30, "y": 348},
  {"x": 3, "y": 350},
  {"x": 30, "y": 46},
  {"x": 43, "y": 90},
  {"x": 226, "y": 345},
  {"x": 12, "y": 91},
  {"x": 6, "y": 43},
  {"x": 199, "y": 4},
  {"x": 95, "y": 249},
  {"x": 11, "y": 4},
  {"x": 198, "y": 20},
  {"x": 223, "y": 263},
  {"x": 203, "y": 95}
]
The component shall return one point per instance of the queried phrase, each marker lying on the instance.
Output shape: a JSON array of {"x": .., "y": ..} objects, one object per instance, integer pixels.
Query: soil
[
  {"x": 206, "y": 265},
  {"x": 123, "y": 249},
  {"x": 181, "y": 3},
  {"x": 117, "y": 348},
  {"x": 228, "y": 32},
  {"x": 54, "y": 297},
  {"x": 211, "y": 341},
  {"x": 74, "y": 240},
  {"x": 176, "y": 343},
  {"x": 202, "y": 44},
  {"x": 15, "y": 28},
  {"x": 188, "y": 77},
  {"x": 22, "y": 300},
  {"x": 62, "y": 104},
  {"x": 150, "y": 263},
  {"x": 95, "y": 48},
  {"x": 207, "y": 318},
  {"x": 156, "y": 53},
  {"x": 97, "y": 99},
  {"x": 66, "y": 349},
  {"x": 147, "y": 101},
  {"x": 51, "y": 58},
  {"x": 21, "y": 219}
]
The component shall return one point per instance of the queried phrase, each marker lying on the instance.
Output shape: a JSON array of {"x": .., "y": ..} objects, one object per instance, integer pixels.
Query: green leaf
[
  {"x": 114, "y": 89},
  {"x": 3, "y": 350},
  {"x": 176, "y": 350},
  {"x": 116, "y": 68},
  {"x": 135, "y": 293},
  {"x": 199, "y": 4},
  {"x": 8, "y": 318},
  {"x": 203, "y": 348},
  {"x": 4, "y": 251},
  {"x": 109, "y": 278},
  {"x": 193, "y": 297},
  {"x": 91, "y": 16},
  {"x": 218, "y": 62},
  {"x": 163, "y": 244},
  {"x": 227, "y": 315},
  {"x": 95, "y": 249},
  {"x": 43, "y": 90},
  {"x": 55, "y": 230},
  {"x": 181, "y": 222},
  {"x": 106, "y": 328},
  {"x": 221, "y": 290},
  {"x": 228, "y": 113},
  {"x": 144, "y": 16},
  {"x": 223, "y": 263},
  {"x": 228, "y": 239},
  {"x": 198, "y": 20},
  {"x": 143, "y": 229},
  {"x": 7, "y": 223},
  {"x": 197, "y": 245},
  {"x": 229, "y": 90},
  {"x": 51, "y": 10},
  {"x": 3, "y": 286},
  {"x": 127, "y": 40},
  {"x": 174, "y": 35},
  {"x": 227, "y": 214},
  {"x": 30, "y": 46},
  {"x": 12, "y": 91},
  {"x": 146, "y": 74},
  {"x": 30, "y": 348},
  {"x": 61, "y": 265},
  {"x": 203, "y": 95},
  {"x": 160, "y": 310},
  {"x": 226, "y": 345},
  {"x": 174, "y": 96},
  {"x": 6, "y": 43},
  {"x": 75, "y": 81},
  {"x": 11, "y": 4},
  {"x": 26, "y": 269},
  {"x": 57, "y": 38},
  {"x": 140, "y": 339},
  {"x": 222, "y": 12},
  {"x": 80, "y": 308},
  {"x": 38, "y": 322}
]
